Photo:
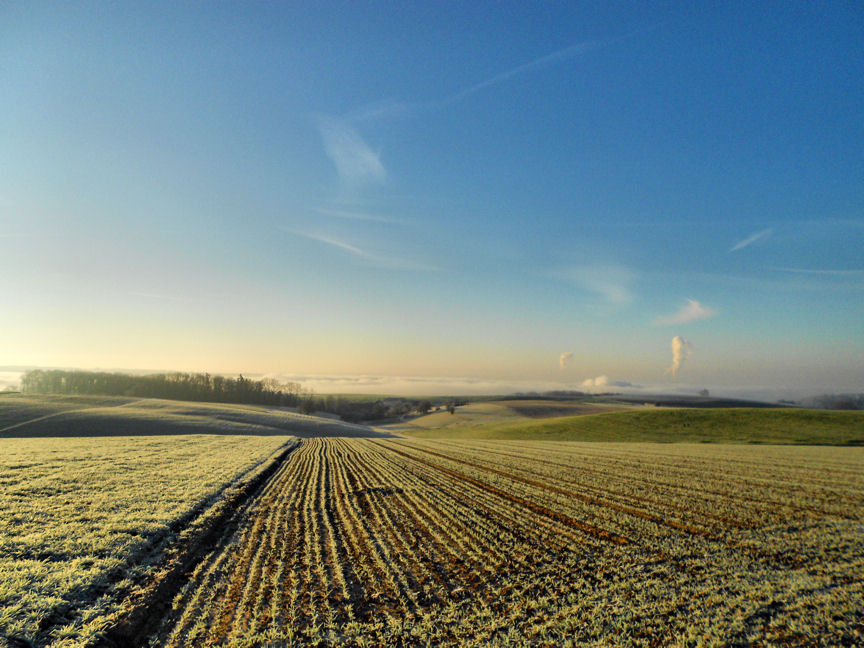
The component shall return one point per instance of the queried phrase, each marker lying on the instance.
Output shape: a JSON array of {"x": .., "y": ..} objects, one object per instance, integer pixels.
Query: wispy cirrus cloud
[
  {"x": 750, "y": 240},
  {"x": 373, "y": 259},
  {"x": 392, "y": 108},
  {"x": 342, "y": 245},
  {"x": 359, "y": 165},
  {"x": 558, "y": 56},
  {"x": 356, "y": 163},
  {"x": 387, "y": 109},
  {"x": 353, "y": 215},
  {"x": 537, "y": 64},
  {"x": 692, "y": 311},
  {"x": 611, "y": 282}
]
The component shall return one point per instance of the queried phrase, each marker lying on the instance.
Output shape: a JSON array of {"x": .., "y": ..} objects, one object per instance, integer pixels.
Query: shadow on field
[{"x": 158, "y": 417}]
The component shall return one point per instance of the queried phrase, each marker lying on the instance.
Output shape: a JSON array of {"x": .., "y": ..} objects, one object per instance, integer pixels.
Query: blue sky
[{"x": 437, "y": 191}]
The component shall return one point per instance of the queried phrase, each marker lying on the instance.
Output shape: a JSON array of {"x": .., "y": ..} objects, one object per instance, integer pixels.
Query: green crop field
[
  {"x": 484, "y": 413},
  {"x": 737, "y": 425},
  {"x": 393, "y": 543},
  {"x": 501, "y": 531}
]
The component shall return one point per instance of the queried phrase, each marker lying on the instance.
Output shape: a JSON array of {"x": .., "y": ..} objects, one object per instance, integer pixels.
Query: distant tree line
[
  {"x": 175, "y": 386},
  {"x": 219, "y": 389},
  {"x": 836, "y": 401},
  {"x": 359, "y": 409}
]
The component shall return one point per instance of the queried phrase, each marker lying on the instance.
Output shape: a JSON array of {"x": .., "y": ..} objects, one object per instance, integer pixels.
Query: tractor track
[{"x": 148, "y": 607}]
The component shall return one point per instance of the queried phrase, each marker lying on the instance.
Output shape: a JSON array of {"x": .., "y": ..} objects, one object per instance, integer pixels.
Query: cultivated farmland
[
  {"x": 368, "y": 542},
  {"x": 83, "y": 521},
  {"x": 235, "y": 534}
]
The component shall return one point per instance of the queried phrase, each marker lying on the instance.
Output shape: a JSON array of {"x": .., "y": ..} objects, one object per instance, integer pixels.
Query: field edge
[{"x": 142, "y": 611}]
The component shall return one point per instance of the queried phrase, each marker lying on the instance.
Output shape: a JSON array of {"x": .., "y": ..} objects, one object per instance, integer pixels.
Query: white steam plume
[
  {"x": 565, "y": 359},
  {"x": 680, "y": 352}
]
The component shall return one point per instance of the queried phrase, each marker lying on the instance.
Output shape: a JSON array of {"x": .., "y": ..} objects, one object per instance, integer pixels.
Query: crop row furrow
[
  {"x": 210, "y": 601},
  {"x": 391, "y": 591},
  {"x": 368, "y": 572},
  {"x": 602, "y": 497},
  {"x": 238, "y": 602},
  {"x": 615, "y": 484},
  {"x": 445, "y": 546},
  {"x": 761, "y": 472},
  {"x": 375, "y": 490},
  {"x": 588, "y": 529},
  {"x": 618, "y": 488},
  {"x": 773, "y": 497},
  {"x": 487, "y": 511},
  {"x": 591, "y": 501},
  {"x": 454, "y": 543},
  {"x": 424, "y": 546}
]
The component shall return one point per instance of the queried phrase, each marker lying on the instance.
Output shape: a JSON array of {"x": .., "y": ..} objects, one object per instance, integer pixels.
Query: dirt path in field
[
  {"x": 39, "y": 419},
  {"x": 148, "y": 606}
]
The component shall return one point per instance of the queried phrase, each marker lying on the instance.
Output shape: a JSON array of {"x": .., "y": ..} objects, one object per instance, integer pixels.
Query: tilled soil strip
[{"x": 147, "y": 612}]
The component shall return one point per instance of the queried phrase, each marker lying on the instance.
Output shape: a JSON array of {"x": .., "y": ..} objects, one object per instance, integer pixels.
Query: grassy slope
[
  {"x": 815, "y": 427},
  {"x": 52, "y": 416},
  {"x": 482, "y": 413},
  {"x": 16, "y": 408}
]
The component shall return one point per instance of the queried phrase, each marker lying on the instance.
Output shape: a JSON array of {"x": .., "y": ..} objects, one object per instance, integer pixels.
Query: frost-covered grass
[{"x": 82, "y": 519}]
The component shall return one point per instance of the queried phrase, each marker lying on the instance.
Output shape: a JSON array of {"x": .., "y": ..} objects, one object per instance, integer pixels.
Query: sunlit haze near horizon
[{"x": 437, "y": 197}]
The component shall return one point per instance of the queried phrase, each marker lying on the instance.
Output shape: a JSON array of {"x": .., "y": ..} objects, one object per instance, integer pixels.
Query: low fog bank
[
  {"x": 409, "y": 386},
  {"x": 10, "y": 380},
  {"x": 440, "y": 386}
]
